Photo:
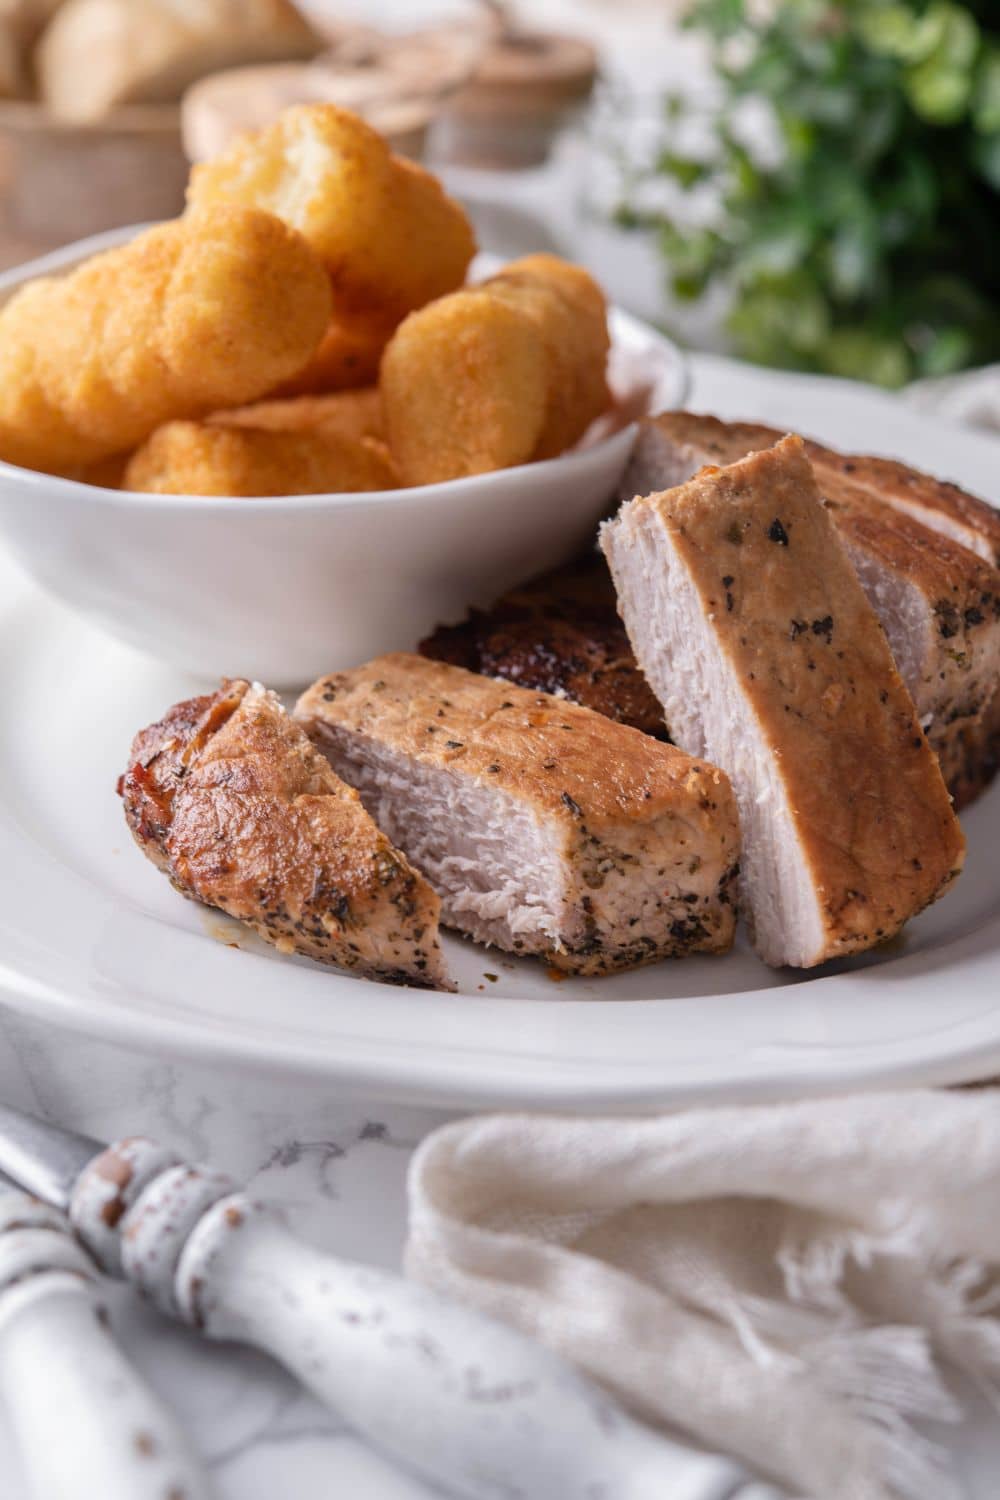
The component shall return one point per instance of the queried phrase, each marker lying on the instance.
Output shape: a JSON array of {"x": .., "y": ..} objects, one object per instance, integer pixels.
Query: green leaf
[
  {"x": 986, "y": 157},
  {"x": 940, "y": 86},
  {"x": 859, "y": 354},
  {"x": 799, "y": 136},
  {"x": 877, "y": 123},
  {"x": 986, "y": 92},
  {"x": 948, "y": 350},
  {"x": 939, "y": 95},
  {"x": 897, "y": 31},
  {"x": 745, "y": 179},
  {"x": 692, "y": 257},
  {"x": 683, "y": 169},
  {"x": 907, "y": 204},
  {"x": 959, "y": 42},
  {"x": 785, "y": 320},
  {"x": 774, "y": 249},
  {"x": 854, "y": 257}
]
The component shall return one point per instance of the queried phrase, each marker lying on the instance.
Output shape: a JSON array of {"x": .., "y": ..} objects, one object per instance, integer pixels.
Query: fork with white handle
[{"x": 462, "y": 1400}]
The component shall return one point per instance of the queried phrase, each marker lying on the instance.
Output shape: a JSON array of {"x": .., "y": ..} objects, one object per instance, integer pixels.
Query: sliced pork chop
[
  {"x": 939, "y": 603},
  {"x": 544, "y": 827},
  {"x": 227, "y": 796},
  {"x": 936, "y": 503},
  {"x": 750, "y": 624},
  {"x": 978, "y": 756}
]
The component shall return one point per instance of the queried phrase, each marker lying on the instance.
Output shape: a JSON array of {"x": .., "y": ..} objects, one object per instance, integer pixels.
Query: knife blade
[
  {"x": 43, "y": 1158},
  {"x": 461, "y": 1399}
]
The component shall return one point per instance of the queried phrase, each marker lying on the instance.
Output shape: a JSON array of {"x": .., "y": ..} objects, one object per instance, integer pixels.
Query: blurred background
[{"x": 806, "y": 184}]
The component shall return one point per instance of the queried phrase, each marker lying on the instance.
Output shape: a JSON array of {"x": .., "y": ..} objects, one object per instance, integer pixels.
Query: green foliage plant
[{"x": 868, "y": 244}]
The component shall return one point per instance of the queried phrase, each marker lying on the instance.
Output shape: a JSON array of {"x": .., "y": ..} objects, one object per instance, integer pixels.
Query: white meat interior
[
  {"x": 494, "y": 864},
  {"x": 506, "y": 875},
  {"x": 710, "y": 717},
  {"x": 905, "y": 617}
]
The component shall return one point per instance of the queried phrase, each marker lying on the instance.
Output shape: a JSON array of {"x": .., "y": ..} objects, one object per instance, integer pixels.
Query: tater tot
[
  {"x": 208, "y": 311},
  {"x": 390, "y": 236},
  {"x": 349, "y": 356},
  {"x": 33, "y": 432},
  {"x": 508, "y": 372},
  {"x": 348, "y": 414},
  {"x": 206, "y": 458},
  {"x": 464, "y": 386},
  {"x": 570, "y": 310}
]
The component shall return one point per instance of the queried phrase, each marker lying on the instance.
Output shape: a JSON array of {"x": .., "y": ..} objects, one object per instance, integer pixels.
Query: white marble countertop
[{"x": 340, "y": 1169}]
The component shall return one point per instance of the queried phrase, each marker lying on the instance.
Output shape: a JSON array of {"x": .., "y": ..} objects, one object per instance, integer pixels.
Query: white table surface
[{"x": 340, "y": 1167}]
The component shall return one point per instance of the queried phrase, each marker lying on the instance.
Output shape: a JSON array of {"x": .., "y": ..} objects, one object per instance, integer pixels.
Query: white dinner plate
[{"x": 93, "y": 937}]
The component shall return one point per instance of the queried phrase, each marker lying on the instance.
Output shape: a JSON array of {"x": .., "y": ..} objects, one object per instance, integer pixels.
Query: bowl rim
[{"x": 481, "y": 484}]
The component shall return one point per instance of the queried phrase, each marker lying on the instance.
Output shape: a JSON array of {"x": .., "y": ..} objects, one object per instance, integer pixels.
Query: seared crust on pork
[
  {"x": 750, "y": 623},
  {"x": 559, "y": 633},
  {"x": 227, "y": 796},
  {"x": 544, "y": 827},
  {"x": 937, "y": 503}
]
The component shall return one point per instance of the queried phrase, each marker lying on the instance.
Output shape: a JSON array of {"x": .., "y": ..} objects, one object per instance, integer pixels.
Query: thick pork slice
[
  {"x": 936, "y": 503},
  {"x": 749, "y": 622},
  {"x": 939, "y": 603},
  {"x": 227, "y": 796},
  {"x": 544, "y": 827}
]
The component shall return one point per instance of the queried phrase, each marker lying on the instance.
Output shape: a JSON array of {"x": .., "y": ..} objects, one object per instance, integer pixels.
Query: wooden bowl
[{"x": 61, "y": 182}]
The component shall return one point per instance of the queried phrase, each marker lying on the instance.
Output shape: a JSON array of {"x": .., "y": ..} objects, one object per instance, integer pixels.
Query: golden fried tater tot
[
  {"x": 464, "y": 388},
  {"x": 390, "y": 236},
  {"x": 570, "y": 310},
  {"x": 347, "y": 414},
  {"x": 457, "y": 395},
  {"x": 33, "y": 432},
  {"x": 207, "y": 311},
  {"x": 206, "y": 458},
  {"x": 348, "y": 357}
]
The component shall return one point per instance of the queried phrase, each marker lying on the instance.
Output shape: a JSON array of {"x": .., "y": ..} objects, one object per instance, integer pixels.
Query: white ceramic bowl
[{"x": 284, "y": 589}]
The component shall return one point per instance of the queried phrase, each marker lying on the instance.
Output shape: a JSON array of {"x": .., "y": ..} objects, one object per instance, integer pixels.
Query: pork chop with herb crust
[
  {"x": 227, "y": 797},
  {"x": 751, "y": 625},
  {"x": 545, "y": 828}
]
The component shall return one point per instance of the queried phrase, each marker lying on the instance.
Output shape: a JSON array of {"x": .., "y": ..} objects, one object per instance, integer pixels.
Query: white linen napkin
[{"x": 777, "y": 1282}]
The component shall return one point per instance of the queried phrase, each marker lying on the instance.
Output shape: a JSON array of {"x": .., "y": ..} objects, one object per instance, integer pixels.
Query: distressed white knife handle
[
  {"x": 462, "y": 1399},
  {"x": 86, "y": 1424}
]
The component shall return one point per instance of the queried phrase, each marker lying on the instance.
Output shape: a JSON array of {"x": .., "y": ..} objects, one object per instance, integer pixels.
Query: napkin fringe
[
  {"x": 958, "y": 1297},
  {"x": 884, "y": 1378}
]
